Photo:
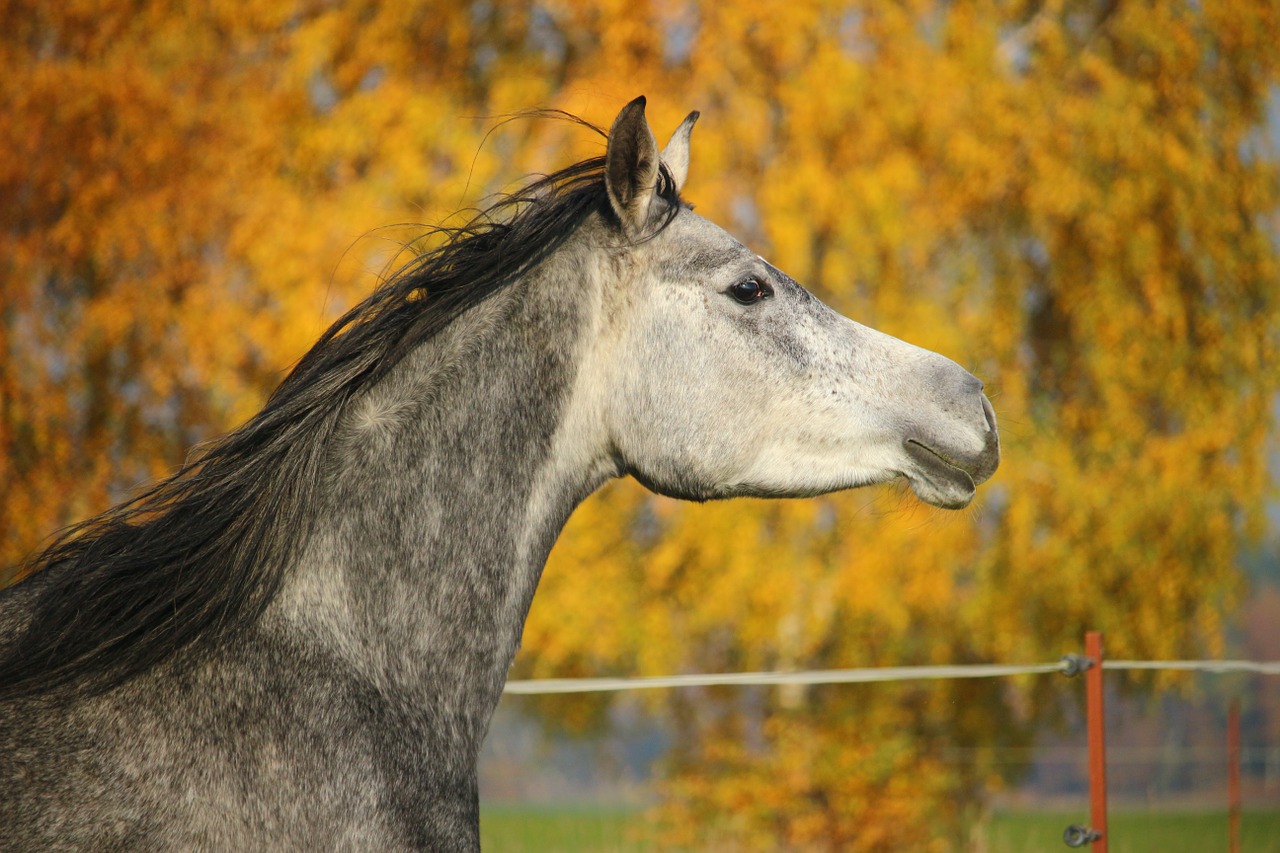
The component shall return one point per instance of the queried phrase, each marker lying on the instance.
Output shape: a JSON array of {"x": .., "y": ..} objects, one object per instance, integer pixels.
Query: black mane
[{"x": 199, "y": 556}]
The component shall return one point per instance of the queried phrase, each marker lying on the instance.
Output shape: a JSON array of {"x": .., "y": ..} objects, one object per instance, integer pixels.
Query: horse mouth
[{"x": 936, "y": 479}]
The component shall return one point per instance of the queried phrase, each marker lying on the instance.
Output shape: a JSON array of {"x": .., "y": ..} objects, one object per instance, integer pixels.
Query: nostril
[{"x": 973, "y": 384}]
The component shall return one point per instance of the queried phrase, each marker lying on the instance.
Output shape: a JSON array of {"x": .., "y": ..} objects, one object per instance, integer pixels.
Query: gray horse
[{"x": 297, "y": 641}]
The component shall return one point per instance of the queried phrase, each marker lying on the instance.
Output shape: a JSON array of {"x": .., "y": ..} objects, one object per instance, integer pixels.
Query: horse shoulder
[{"x": 253, "y": 749}]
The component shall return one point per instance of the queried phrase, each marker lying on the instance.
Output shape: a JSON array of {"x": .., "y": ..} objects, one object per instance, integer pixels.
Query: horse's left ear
[
  {"x": 676, "y": 154},
  {"x": 631, "y": 166}
]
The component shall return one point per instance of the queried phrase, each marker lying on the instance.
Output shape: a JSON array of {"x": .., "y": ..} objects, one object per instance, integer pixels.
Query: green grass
[
  {"x": 563, "y": 829},
  {"x": 592, "y": 829},
  {"x": 1137, "y": 831}
]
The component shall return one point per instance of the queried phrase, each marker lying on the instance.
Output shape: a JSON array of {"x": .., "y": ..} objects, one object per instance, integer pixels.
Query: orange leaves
[
  {"x": 1077, "y": 201},
  {"x": 798, "y": 781},
  {"x": 1062, "y": 211}
]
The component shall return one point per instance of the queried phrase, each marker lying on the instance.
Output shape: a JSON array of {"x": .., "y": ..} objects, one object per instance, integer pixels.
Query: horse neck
[{"x": 451, "y": 480}]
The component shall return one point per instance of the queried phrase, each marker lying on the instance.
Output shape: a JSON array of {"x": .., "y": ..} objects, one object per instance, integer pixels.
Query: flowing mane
[
  {"x": 198, "y": 556},
  {"x": 299, "y": 640}
]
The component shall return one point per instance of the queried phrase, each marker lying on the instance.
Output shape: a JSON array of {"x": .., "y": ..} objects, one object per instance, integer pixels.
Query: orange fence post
[
  {"x": 1096, "y": 724},
  {"x": 1233, "y": 776}
]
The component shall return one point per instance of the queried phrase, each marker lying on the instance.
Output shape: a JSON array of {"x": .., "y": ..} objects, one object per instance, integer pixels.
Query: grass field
[
  {"x": 526, "y": 829},
  {"x": 1138, "y": 831},
  {"x": 587, "y": 829}
]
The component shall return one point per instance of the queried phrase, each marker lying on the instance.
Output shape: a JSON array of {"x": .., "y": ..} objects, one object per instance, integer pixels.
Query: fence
[{"x": 1091, "y": 664}]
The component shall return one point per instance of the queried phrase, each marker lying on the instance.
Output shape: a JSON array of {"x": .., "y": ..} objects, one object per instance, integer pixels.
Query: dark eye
[{"x": 749, "y": 291}]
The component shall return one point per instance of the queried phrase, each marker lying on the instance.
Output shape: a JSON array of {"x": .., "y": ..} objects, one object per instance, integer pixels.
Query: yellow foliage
[{"x": 1074, "y": 199}]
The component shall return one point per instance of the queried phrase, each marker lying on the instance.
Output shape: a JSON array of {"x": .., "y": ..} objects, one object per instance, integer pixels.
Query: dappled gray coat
[{"x": 296, "y": 642}]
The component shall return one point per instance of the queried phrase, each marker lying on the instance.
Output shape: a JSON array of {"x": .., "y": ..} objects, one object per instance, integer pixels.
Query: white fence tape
[
  {"x": 862, "y": 676},
  {"x": 1215, "y": 666}
]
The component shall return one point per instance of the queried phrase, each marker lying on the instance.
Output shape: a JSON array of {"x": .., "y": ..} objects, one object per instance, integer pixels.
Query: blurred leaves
[{"x": 1077, "y": 200}]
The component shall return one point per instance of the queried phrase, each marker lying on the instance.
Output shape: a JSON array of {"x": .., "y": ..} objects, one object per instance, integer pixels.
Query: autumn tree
[
  {"x": 1076, "y": 199},
  {"x": 189, "y": 194}
]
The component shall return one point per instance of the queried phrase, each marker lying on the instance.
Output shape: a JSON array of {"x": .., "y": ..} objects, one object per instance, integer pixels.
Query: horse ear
[
  {"x": 676, "y": 154},
  {"x": 631, "y": 166}
]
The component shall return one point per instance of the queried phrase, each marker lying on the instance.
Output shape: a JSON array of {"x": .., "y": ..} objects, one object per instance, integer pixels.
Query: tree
[
  {"x": 1075, "y": 198},
  {"x": 1079, "y": 201}
]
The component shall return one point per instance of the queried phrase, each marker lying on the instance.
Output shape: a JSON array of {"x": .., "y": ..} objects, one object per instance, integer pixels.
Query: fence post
[
  {"x": 1096, "y": 724},
  {"x": 1233, "y": 776}
]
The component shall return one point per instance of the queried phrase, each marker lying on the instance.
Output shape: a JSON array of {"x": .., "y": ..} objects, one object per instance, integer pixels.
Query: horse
[{"x": 297, "y": 640}]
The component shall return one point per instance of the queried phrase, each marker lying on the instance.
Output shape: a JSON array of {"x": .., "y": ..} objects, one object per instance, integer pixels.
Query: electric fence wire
[{"x": 1069, "y": 665}]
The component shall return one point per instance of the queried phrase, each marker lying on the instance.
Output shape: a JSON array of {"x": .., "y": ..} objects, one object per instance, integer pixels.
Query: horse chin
[
  {"x": 936, "y": 481},
  {"x": 944, "y": 498}
]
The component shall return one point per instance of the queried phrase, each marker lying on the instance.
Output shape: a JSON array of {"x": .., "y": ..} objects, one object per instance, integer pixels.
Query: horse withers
[{"x": 297, "y": 641}]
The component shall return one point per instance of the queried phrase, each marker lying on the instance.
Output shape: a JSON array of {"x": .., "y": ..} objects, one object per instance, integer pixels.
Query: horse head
[{"x": 725, "y": 377}]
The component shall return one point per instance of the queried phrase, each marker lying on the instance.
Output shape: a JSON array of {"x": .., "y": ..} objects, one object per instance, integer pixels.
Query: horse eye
[{"x": 749, "y": 291}]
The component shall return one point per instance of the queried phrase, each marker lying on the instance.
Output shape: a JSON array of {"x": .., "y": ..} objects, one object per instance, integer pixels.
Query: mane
[{"x": 196, "y": 558}]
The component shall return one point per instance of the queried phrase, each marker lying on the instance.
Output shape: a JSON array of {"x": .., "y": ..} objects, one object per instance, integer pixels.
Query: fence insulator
[
  {"x": 1073, "y": 665},
  {"x": 1079, "y": 836}
]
